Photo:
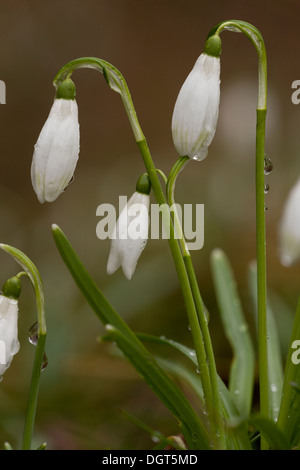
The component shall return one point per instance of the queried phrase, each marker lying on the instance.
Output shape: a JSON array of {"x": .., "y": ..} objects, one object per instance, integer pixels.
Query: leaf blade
[
  {"x": 139, "y": 356},
  {"x": 275, "y": 369},
  {"x": 241, "y": 380}
]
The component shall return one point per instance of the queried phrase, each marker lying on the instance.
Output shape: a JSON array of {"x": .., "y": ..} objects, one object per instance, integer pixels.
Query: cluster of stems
[
  {"x": 196, "y": 312},
  {"x": 197, "y": 315}
]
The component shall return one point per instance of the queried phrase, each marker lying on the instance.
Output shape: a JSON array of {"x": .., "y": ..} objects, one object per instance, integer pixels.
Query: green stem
[
  {"x": 215, "y": 405},
  {"x": 171, "y": 182},
  {"x": 183, "y": 279},
  {"x": 34, "y": 276},
  {"x": 33, "y": 392},
  {"x": 116, "y": 81},
  {"x": 257, "y": 40},
  {"x": 261, "y": 265}
]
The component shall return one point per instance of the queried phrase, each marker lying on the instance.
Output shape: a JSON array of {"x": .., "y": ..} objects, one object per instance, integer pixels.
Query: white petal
[
  {"x": 131, "y": 256},
  {"x": 289, "y": 229},
  {"x": 196, "y": 109},
  {"x": 130, "y": 235},
  {"x": 114, "y": 259},
  {"x": 9, "y": 343},
  {"x": 56, "y": 151}
]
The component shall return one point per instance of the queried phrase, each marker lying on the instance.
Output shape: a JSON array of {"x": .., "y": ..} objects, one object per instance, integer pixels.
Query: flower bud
[
  {"x": 12, "y": 288},
  {"x": 196, "y": 109},
  {"x": 143, "y": 184},
  {"x": 9, "y": 343},
  {"x": 57, "y": 149},
  {"x": 130, "y": 234}
]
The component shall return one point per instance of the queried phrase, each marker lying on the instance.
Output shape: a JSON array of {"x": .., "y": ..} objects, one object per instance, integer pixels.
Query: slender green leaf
[
  {"x": 229, "y": 409},
  {"x": 154, "y": 376},
  {"x": 139, "y": 356},
  {"x": 156, "y": 436},
  {"x": 289, "y": 414},
  {"x": 275, "y": 368},
  {"x": 284, "y": 318},
  {"x": 228, "y": 404},
  {"x": 275, "y": 438},
  {"x": 241, "y": 379}
]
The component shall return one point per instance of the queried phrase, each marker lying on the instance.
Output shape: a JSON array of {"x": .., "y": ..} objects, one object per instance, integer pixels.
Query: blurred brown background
[{"x": 154, "y": 44}]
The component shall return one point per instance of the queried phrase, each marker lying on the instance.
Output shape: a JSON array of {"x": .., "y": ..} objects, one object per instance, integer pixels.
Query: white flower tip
[
  {"x": 286, "y": 260},
  {"x": 289, "y": 252},
  {"x": 128, "y": 271},
  {"x": 201, "y": 154},
  {"x": 289, "y": 229},
  {"x": 112, "y": 264}
]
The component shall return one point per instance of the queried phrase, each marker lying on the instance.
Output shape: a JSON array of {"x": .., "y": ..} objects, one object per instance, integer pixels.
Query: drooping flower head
[
  {"x": 9, "y": 343},
  {"x": 196, "y": 109},
  {"x": 57, "y": 149},
  {"x": 289, "y": 228},
  {"x": 130, "y": 233}
]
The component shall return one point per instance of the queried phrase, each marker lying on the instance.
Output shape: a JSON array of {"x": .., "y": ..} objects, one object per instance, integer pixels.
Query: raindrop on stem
[
  {"x": 33, "y": 337},
  {"x": 268, "y": 165}
]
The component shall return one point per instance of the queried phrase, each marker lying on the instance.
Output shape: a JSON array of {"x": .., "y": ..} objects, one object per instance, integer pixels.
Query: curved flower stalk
[
  {"x": 117, "y": 83},
  {"x": 57, "y": 149},
  {"x": 196, "y": 109},
  {"x": 289, "y": 228},
  {"x": 254, "y": 35},
  {"x": 9, "y": 312},
  {"x": 193, "y": 130},
  {"x": 183, "y": 140},
  {"x": 12, "y": 288},
  {"x": 130, "y": 233}
]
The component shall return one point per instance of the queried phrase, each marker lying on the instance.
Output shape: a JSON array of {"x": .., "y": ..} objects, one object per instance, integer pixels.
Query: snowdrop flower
[
  {"x": 9, "y": 343},
  {"x": 130, "y": 233},
  {"x": 289, "y": 228},
  {"x": 196, "y": 109},
  {"x": 57, "y": 149}
]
